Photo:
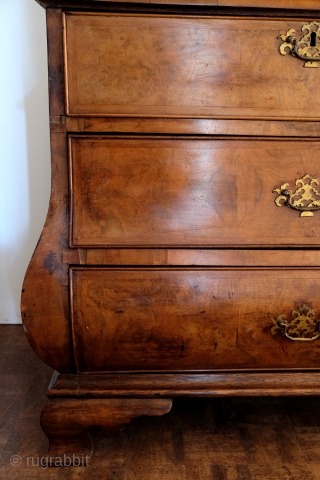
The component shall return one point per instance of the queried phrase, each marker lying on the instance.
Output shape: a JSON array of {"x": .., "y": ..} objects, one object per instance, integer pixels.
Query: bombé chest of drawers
[{"x": 180, "y": 255}]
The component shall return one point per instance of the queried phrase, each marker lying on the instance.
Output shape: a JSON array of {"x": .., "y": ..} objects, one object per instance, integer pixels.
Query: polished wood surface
[
  {"x": 217, "y": 384},
  {"x": 45, "y": 301},
  {"x": 188, "y": 319},
  {"x": 167, "y": 66},
  {"x": 206, "y": 257},
  {"x": 277, "y": 128},
  {"x": 181, "y": 121},
  {"x": 188, "y": 192}
]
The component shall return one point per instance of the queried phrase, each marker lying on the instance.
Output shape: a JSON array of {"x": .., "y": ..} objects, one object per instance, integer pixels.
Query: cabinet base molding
[
  {"x": 67, "y": 421},
  {"x": 78, "y": 403},
  {"x": 168, "y": 385}
]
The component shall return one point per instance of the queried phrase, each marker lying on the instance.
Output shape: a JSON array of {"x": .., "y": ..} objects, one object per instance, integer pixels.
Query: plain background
[{"x": 24, "y": 145}]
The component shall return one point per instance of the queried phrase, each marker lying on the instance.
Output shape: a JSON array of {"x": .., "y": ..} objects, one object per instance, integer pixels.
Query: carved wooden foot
[{"x": 66, "y": 422}]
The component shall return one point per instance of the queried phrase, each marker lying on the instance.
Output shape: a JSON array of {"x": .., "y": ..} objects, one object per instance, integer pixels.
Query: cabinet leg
[{"x": 66, "y": 422}]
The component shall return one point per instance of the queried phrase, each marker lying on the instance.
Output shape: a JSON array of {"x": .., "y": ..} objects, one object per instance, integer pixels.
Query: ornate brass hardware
[
  {"x": 300, "y": 328},
  {"x": 307, "y": 47},
  {"x": 305, "y": 198}
]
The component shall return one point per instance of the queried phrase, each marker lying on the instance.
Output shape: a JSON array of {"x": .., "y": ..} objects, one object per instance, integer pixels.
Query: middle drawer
[{"x": 193, "y": 192}]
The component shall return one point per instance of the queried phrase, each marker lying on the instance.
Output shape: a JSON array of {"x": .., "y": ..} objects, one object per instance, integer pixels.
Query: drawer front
[
  {"x": 189, "y": 192},
  {"x": 190, "y": 319},
  {"x": 171, "y": 66}
]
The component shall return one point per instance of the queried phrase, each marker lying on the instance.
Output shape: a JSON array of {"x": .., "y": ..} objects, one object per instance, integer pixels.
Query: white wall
[{"x": 24, "y": 145}]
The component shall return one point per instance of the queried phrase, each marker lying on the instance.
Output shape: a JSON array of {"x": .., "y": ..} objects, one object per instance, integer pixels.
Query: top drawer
[{"x": 199, "y": 67}]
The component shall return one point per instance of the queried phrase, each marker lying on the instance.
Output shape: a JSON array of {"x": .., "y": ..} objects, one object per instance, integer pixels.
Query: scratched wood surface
[
  {"x": 200, "y": 439},
  {"x": 180, "y": 319},
  {"x": 174, "y": 66},
  {"x": 44, "y": 302}
]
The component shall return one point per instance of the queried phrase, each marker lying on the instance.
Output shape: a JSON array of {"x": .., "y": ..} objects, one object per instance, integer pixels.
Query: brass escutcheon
[
  {"x": 306, "y": 48},
  {"x": 301, "y": 326},
  {"x": 306, "y": 198}
]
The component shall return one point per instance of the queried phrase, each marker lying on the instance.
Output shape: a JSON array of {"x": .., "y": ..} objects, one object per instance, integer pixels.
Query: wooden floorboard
[{"x": 200, "y": 439}]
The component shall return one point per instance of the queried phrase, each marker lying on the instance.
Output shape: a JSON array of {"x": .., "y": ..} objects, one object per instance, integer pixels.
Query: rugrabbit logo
[{"x": 56, "y": 461}]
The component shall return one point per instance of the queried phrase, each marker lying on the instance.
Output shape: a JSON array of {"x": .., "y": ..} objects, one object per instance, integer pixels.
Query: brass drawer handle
[
  {"x": 300, "y": 327},
  {"x": 305, "y": 198},
  {"x": 307, "y": 48}
]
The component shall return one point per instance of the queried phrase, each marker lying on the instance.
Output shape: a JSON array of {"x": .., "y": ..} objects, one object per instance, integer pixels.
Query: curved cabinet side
[{"x": 45, "y": 302}]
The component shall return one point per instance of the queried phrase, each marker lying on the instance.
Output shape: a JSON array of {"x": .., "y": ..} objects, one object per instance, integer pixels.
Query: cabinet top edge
[{"x": 303, "y": 5}]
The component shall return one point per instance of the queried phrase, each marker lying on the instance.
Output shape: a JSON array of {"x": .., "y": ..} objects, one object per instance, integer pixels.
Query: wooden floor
[{"x": 200, "y": 439}]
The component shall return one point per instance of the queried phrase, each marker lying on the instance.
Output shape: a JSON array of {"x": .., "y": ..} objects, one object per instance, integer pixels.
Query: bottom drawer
[{"x": 178, "y": 319}]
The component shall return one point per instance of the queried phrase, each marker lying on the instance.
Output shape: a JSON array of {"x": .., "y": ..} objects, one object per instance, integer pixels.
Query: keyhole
[{"x": 313, "y": 39}]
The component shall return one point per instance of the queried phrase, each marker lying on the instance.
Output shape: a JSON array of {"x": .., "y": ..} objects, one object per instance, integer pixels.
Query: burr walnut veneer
[{"x": 180, "y": 255}]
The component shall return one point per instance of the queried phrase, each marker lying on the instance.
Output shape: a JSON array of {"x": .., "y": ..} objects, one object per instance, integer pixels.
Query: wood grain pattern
[
  {"x": 189, "y": 126},
  {"x": 188, "y": 192},
  {"x": 188, "y": 319},
  {"x": 173, "y": 66},
  {"x": 55, "y": 62},
  {"x": 218, "y": 384},
  {"x": 214, "y": 257},
  {"x": 208, "y": 260},
  {"x": 45, "y": 302}
]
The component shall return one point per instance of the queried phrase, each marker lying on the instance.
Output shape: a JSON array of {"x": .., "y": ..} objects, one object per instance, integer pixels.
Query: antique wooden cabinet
[{"x": 180, "y": 255}]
